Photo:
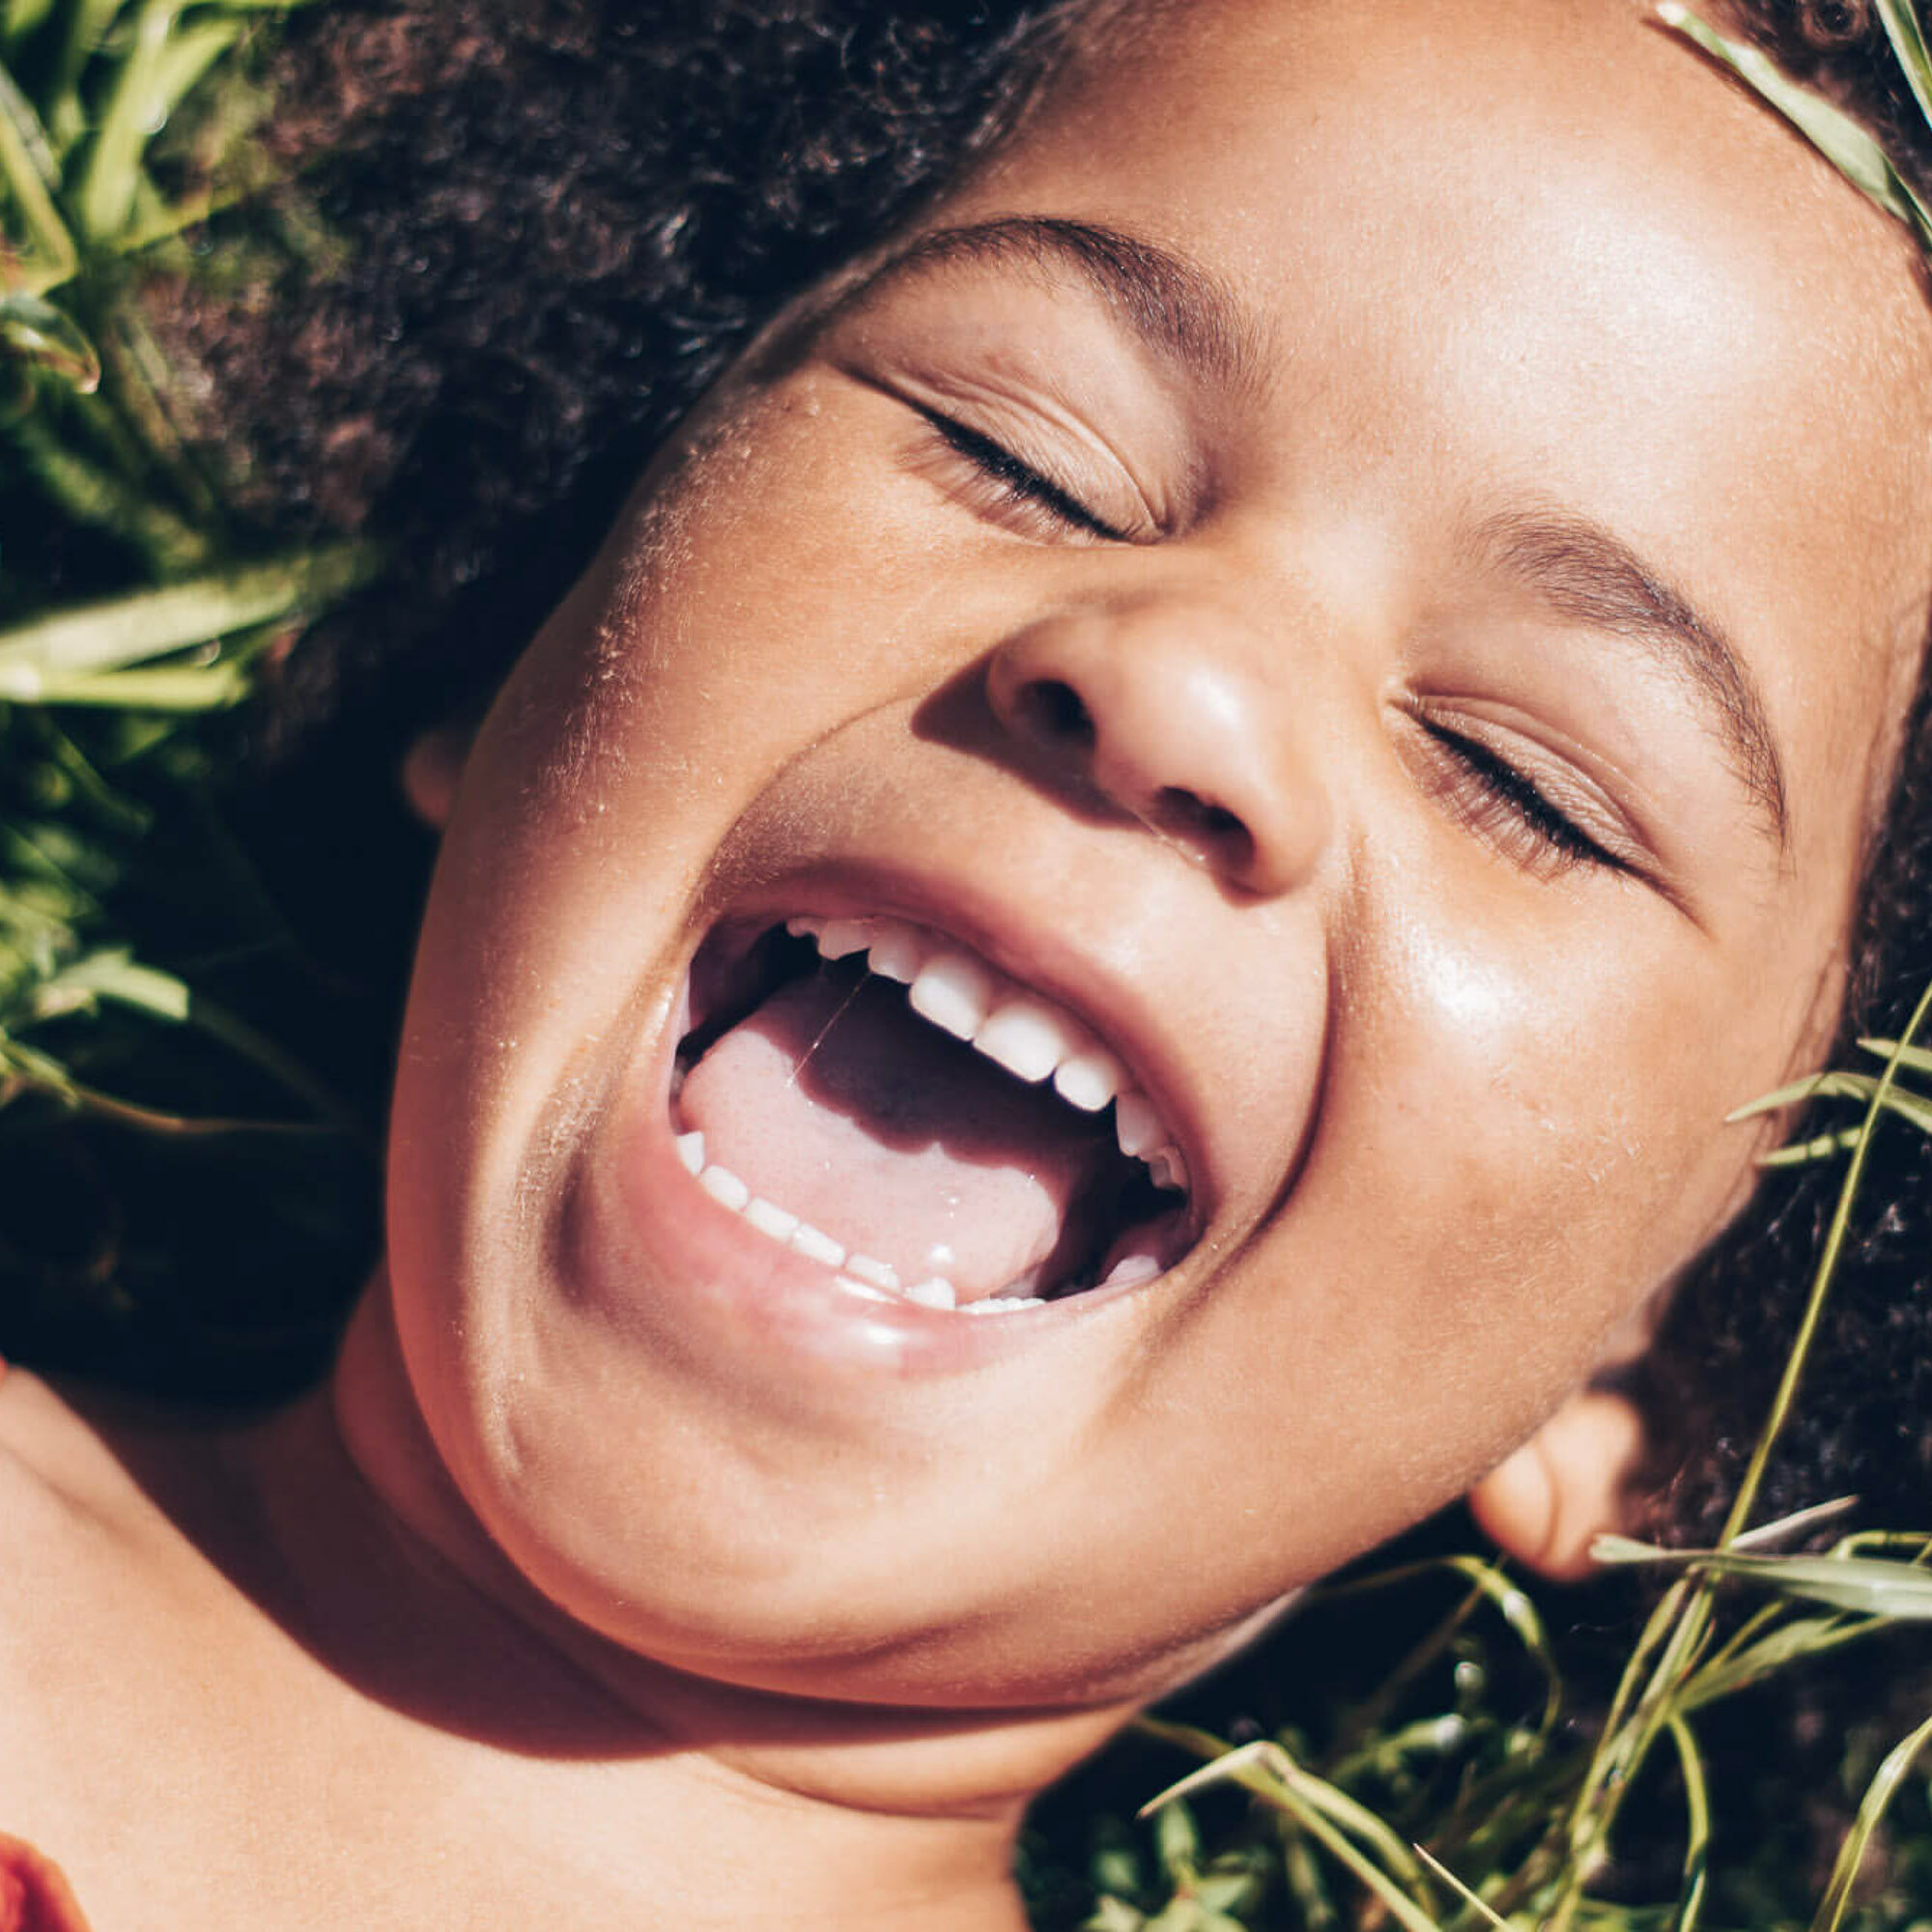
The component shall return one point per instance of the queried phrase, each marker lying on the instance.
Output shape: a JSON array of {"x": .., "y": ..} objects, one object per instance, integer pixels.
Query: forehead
[{"x": 1546, "y": 248}]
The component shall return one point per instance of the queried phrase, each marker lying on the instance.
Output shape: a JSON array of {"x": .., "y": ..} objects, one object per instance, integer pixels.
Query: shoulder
[
  {"x": 133, "y": 1679},
  {"x": 59, "y": 1479},
  {"x": 80, "y": 1540},
  {"x": 43, "y": 1484},
  {"x": 56, "y": 1501}
]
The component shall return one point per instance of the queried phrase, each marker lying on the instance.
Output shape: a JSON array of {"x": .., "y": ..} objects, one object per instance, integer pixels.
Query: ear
[
  {"x": 432, "y": 768},
  {"x": 1547, "y": 1502}
]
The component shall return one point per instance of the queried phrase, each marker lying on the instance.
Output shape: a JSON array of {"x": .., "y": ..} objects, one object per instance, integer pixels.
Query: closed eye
[
  {"x": 1004, "y": 489},
  {"x": 1506, "y": 807}
]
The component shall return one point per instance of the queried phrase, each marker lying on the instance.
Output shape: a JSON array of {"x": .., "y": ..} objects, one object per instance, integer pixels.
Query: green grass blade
[
  {"x": 1808, "y": 1153},
  {"x": 1745, "y": 1500},
  {"x": 1789, "y": 1642},
  {"x": 1840, "y": 1084},
  {"x": 1698, "y": 1809},
  {"x": 1268, "y": 1771},
  {"x": 154, "y": 76},
  {"x": 105, "y": 202},
  {"x": 88, "y": 22},
  {"x": 94, "y": 492},
  {"x": 43, "y": 337},
  {"x": 1908, "y": 44},
  {"x": 113, "y": 975},
  {"x": 20, "y": 18},
  {"x": 30, "y": 175},
  {"x": 121, "y": 631},
  {"x": 193, "y": 688},
  {"x": 1864, "y": 1586},
  {"x": 1489, "y": 1582},
  {"x": 1856, "y": 153},
  {"x": 1476, "y": 1903},
  {"x": 1913, "y": 1058},
  {"x": 25, "y": 1071},
  {"x": 1872, "y": 1808},
  {"x": 188, "y": 55},
  {"x": 1382, "y": 1752}
]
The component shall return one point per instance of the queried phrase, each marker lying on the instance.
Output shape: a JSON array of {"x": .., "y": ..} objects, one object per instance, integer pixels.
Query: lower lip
[{"x": 656, "y": 1247}]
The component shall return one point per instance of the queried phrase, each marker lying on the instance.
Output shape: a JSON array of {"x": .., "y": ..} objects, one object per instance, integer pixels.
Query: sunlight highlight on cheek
[
  {"x": 1474, "y": 999},
  {"x": 1479, "y": 1047}
]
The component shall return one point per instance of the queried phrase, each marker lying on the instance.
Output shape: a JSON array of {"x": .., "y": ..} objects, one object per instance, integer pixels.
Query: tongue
[{"x": 841, "y": 1104}]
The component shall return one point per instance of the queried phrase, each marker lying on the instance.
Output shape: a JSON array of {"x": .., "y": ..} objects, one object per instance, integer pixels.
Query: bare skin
[{"x": 599, "y": 1587}]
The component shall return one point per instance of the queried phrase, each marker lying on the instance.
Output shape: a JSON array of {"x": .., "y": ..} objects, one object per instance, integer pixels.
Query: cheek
[
  {"x": 1578, "y": 1083},
  {"x": 682, "y": 673},
  {"x": 1527, "y": 1127},
  {"x": 1519, "y": 1139},
  {"x": 778, "y": 584}
]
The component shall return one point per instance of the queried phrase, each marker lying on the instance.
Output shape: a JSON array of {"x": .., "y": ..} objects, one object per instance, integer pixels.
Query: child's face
[{"x": 1424, "y": 723}]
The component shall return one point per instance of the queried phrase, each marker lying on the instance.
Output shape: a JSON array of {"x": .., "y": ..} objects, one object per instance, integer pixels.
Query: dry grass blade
[{"x": 1799, "y": 1523}]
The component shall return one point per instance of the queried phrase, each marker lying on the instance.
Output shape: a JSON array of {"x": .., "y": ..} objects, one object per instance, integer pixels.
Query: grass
[
  {"x": 134, "y": 613},
  {"x": 1452, "y": 1760},
  {"x": 99, "y": 699}
]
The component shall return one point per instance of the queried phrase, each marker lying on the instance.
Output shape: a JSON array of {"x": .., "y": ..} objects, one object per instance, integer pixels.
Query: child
[{"x": 1341, "y": 607}]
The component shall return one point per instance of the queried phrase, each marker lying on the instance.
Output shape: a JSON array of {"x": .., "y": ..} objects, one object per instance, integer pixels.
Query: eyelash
[
  {"x": 1493, "y": 798},
  {"x": 1502, "y": 804},
  {"x": 1016, "y": 487}
]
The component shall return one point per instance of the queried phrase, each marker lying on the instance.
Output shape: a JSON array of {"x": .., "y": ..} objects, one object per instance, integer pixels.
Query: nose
[{"x": 1161, "y": 708}]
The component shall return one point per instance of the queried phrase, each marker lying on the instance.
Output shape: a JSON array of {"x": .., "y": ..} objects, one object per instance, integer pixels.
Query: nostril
[
  {"x": 1057, "y": 712},
  {"x": 1195, "y": 820}
]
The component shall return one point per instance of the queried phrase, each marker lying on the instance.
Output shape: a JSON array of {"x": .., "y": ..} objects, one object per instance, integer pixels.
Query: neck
[{"x": 860, "y": 1813}]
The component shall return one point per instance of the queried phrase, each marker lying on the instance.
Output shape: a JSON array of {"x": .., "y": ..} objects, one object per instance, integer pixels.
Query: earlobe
[
  {"x": 432, "y": 768},
  {"x": 1547, "y": 1502}
]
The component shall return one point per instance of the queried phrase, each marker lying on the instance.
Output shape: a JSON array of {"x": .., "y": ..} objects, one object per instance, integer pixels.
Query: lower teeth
[{"x": 861, "y": 1275}]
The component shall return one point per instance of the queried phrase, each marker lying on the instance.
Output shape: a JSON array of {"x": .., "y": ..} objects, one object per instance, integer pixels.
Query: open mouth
[{"x": 878, "y": 1098}]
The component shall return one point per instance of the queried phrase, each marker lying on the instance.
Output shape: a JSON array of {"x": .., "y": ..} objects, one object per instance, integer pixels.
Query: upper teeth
[{"x": 1030, "y": 1037}]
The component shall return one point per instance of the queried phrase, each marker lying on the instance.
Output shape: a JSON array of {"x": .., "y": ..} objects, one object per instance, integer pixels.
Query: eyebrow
[
  {"x": 1179, "y": 311},
  {"x": 1589, "y": 575}
]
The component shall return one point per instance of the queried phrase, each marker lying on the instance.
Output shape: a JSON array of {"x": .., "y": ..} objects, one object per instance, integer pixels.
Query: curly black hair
[
  {"x": 1863, "y": 1426},
  {"x": 557, "y": 222}
]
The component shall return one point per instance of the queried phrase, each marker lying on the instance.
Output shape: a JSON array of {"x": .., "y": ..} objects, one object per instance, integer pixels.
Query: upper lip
[{"x": 1045, "y": 960}]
